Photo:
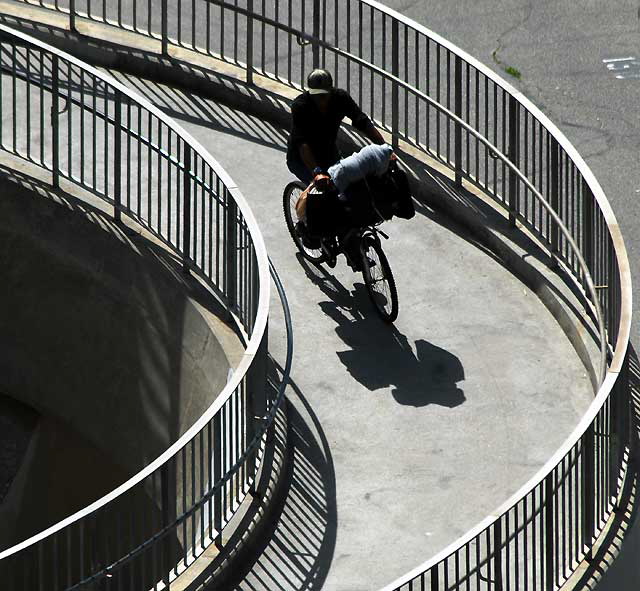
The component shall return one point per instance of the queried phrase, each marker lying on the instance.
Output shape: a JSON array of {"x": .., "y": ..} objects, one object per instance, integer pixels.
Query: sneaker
[
  {"x": 331, "y": 257},
  {"x": 307, "y": 240}
]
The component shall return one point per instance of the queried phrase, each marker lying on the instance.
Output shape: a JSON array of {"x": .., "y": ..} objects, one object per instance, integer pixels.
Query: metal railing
[
  {"x": 88, "y": 131},
  {"x": 432, "y": 96}
]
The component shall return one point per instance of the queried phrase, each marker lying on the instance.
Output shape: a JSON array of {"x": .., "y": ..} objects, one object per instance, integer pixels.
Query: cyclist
[{"x": 317, "y": 114}]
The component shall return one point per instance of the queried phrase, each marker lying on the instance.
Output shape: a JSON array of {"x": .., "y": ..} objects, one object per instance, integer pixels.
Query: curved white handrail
[{"x": 263, "y": 298}]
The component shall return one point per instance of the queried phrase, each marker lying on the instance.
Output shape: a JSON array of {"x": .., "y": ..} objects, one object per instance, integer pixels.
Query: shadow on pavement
[
  {"x": 296, "y": 549},
  {"x": 380, "y": 356}
]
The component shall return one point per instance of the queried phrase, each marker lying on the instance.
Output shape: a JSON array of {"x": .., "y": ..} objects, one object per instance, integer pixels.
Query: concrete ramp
[{"x": 427, "y": 425}]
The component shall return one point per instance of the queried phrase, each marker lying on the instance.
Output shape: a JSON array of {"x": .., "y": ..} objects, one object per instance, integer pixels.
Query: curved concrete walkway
[{"x": 405, "y": 436}]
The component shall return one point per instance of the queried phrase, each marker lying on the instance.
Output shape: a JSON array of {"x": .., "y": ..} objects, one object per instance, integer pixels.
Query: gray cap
[{"x": 320, "y": 82}]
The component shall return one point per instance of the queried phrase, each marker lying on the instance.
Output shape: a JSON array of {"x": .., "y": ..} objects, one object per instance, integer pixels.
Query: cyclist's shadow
[{"x": 380, "y": 356}]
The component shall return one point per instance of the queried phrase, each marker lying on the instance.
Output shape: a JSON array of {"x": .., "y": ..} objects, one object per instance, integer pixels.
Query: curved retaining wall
[{"x": 97, "y": 325}]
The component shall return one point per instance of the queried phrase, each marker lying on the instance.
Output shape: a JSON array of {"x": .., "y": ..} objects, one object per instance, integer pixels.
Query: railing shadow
[
  {"x": 614, "y": 567},
  {"x": 295, "y": 549}
]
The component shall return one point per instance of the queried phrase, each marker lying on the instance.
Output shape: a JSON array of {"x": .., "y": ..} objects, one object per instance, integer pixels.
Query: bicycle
[{"x": 360, "y": 245}]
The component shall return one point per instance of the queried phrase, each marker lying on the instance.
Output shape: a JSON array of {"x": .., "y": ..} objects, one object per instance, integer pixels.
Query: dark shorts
[{"x": 298, "y": 168}]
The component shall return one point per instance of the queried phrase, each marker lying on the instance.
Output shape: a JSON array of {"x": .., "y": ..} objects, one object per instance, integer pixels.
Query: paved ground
[{"x": 430, "y": 424}]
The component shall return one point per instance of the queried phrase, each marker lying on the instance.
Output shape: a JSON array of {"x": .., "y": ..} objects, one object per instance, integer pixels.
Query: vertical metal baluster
[
  {"x": 164, "y": 26},
  {"x": 160, "y": 192},
  {"x": 438, "y": 98},
  {"x": 554, "y": 195},
  {"x": 324, "y": 33},
  {"x": 55, "y": 120},
  {"x": 82, "y": 137},
  {"x": 186, "y": 193},
  {"x": 336, "y": 41},
  {"x": 458, "y": 112},
  {"x": 360, "y": 53},
  {"x": 165, "y": 516},
  {"x": 222, "y": 15},
  {"x": 372, "y": 60},
  {"x": 250, "y": 43},
  {"x": 139, "y": 162},
  {"x": 276, "y": 41},
  {"x": 69, "y": 111},
  {"x": 192, "y": 455},
  {"x": 263, "y": 40},
  {"x": 149, "y": 170},
  {"x": 289, "y": 40},
  {"x": 193, "y": 24},
  {"x": 218, "y": 450},
  {"x": 183, "y": 485},
  {"x": 14, "y": 111},
  {"x": 395, "y": 97},
  {"x": 446, "y": 117},
  {"x": 232, "y": 251},
  {"x": 202, "y": 489},
  {"x": 117, "y": 155},
  {"x": 514, "y": 157},
  {"x": 28, "y": 83},
  {"x": 208, "y": 18},
  {"x": 549, "y": 528},
  {"x": 349, "y": 46}
]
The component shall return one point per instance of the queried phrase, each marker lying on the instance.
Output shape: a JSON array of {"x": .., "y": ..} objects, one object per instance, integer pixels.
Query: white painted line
[{"x": 618, "y": 59}]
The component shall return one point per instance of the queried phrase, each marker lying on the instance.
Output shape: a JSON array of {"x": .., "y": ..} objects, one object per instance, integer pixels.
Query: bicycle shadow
[{"x": 379, "y": 355}]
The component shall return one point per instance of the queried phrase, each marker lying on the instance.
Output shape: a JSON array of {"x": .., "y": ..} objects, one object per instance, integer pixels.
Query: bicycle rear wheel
[
  {"x": 379, "y": 279},
  {"x": 296, "y": 228}
]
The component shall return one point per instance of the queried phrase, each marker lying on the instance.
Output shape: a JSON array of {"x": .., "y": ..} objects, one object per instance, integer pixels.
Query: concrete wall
[{"x": 103, "y": 336}]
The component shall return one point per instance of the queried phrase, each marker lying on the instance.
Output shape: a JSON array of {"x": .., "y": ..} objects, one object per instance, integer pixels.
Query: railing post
[
  {"x": 117, "y": 155},
  {"x": 186, "y": 217},
  {"x": 555, "y": 193},
  {"x": 497, "y": 554},
  {"x": 587, "y": 226},
  {"x": 219, "y": 450},
  {"x": 164, "y": 16},
  {"x": 588, "y": 489},
  {"x": 549, "y": 533},
  {"x": 514, "y": 157},
  {"x": 257, "y": 400},
  {"x": 316, "y": 33},
  {"x": 458, "y": 112},
  {"x": 55, "y": 120},
  {"x": 250, "y": 42},
  {"x": 72, "y": 15},
  {"x": 395, "y": 91},
  {"x": 231, "y": 246},
  {"x": 165, "y": 510}
]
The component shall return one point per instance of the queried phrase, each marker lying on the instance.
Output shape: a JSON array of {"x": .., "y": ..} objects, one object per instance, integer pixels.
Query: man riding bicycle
[{"x": 317, "y": 114}]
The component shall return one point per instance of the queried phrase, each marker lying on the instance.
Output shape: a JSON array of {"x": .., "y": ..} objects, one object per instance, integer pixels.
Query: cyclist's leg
[{"x": 298, "y": 169}]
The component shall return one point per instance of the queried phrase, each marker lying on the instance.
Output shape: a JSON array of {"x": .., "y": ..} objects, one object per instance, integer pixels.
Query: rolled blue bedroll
[{"x": 370, "y": 160}]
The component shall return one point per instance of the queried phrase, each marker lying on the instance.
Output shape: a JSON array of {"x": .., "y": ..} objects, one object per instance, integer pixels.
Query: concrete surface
[
  {"x": 108, "y": 341},
  {"x": 464, "y": 398}
]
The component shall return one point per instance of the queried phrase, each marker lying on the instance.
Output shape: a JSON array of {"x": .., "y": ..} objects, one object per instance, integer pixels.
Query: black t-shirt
[{"x": 320, "y": 130}]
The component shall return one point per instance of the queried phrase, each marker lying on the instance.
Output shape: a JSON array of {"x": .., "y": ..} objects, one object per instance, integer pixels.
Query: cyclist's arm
[
  {"x": 306, "y": 154},
  {"x": 360, "y": 121},
  {"x": 374, "y": 135}
]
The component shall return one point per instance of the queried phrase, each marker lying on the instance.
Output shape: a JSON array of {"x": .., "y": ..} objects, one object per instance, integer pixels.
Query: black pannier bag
[
  {"x": 391, "y": 196},
  {"x": 328, "y": 214}
]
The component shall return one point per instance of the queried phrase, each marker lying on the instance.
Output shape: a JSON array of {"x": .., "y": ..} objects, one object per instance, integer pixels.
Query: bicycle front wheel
[
  {"x": 379, "y": 279},
  {"x": 310, "y": 250}
]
